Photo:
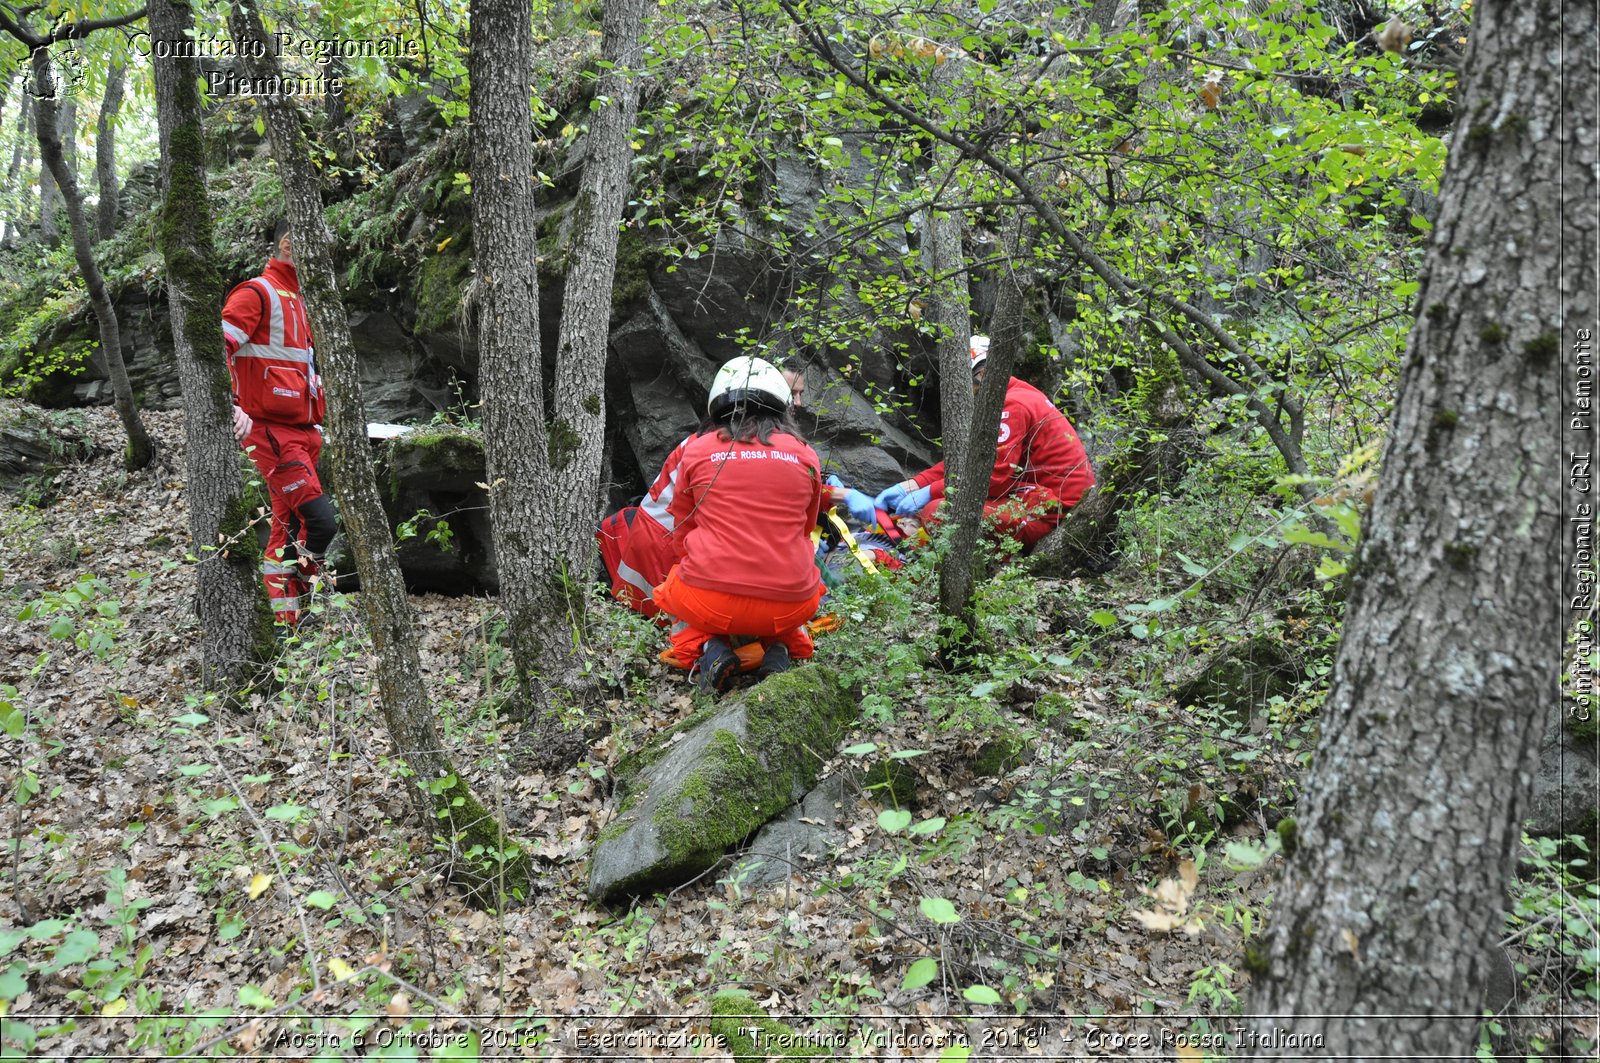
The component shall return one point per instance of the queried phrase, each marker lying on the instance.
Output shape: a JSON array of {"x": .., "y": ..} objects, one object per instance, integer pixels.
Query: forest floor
[{"x": 182, "y": 878}]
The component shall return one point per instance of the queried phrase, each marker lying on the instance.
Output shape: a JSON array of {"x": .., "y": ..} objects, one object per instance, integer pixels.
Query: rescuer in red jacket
[
  {"x": 636, "y": 541},
  {"x": 1040, "y": 468},
  {"x": 277, "y": 413},
  {"x": 749, "y": 490}
]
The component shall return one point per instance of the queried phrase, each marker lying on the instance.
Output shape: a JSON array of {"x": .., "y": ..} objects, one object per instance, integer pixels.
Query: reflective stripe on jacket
[{"x": 268, "y": 340}]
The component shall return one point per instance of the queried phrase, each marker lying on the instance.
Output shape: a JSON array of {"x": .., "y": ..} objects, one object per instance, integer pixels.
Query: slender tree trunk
[
  {"x": 48, "y": 232},
  {"x": 235, "y": 622},
  {"x": 571, "y": 491},
  {"x": 105, "y": 152},
  {"x": 543, "y": 500},
  {"x": 950, "y": 300},
  {"x": 1383, "y": 928},
  {"x": 5, "y": 189},
  {"x": 442, "y": 797},
  {"x": 967, "y": 477},
  {"x": 141, "y": 451},
  {"x": 510, "y": 380},
  {"x": 18, "y": 212}
]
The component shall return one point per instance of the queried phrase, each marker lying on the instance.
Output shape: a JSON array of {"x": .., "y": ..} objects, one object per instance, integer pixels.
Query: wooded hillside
[{"x": 1280, "y": 744}]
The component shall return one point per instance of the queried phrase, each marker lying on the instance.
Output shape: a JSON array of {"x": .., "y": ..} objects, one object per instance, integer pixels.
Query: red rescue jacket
[
  {"x": 268, "y": 340},
  {"x": 743, "y": 514},
  {"x": 1038, "y": 446}
]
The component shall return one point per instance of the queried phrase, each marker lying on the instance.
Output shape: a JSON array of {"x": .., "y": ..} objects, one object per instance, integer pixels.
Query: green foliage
[{"x": 1554, "y": 912}]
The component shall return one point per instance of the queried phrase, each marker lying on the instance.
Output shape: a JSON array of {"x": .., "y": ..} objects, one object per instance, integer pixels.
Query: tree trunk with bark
[
  {"x": 105, "y": 151},
  {"x": 18, "y": 212},
  {"x": 1382, "y": 931},
  {"x": 444, "y": 803},
  {"x": 517, "y": 444},
  {"x": 967, "y": 474},
  {"x": 235, "y": 621},
  {"x": 577, "y": 431},
  {"x": 49, "y": 232},
  {"x": 141, "y": 450},
  {"x": 543, "y": 498}
]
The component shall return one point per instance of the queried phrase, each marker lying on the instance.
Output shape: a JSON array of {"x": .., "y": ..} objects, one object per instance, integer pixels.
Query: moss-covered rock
[
  {"x": 718, "y": 782},
  {"x": 751, "y": 1034},
  {"x": 999, "y": 754},
  {"x": 441, "y": 279},
  {"x": 1243, "y": 678}
]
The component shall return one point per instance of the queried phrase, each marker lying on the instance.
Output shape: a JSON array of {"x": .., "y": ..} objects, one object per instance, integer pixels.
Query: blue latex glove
[
  {"x": 913, "y": 502},
  {"x": 861, "y": 508},
  {"x": 888, "y": 497}
]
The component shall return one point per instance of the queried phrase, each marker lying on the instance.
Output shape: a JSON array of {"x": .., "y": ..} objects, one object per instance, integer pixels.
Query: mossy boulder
[
  {"x": 751, "y": 1034},
  {"x": 1007, "y": 748},
  {"x": 430, "y": 480},
  {"x": 1241, "y": 679},
  {"x": 719, "y": 782}
]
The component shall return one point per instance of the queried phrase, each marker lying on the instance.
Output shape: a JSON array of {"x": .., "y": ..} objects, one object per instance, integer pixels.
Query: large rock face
[
  {"x": 700, "y": 790},
  {"x": 1566, "y": 787}
]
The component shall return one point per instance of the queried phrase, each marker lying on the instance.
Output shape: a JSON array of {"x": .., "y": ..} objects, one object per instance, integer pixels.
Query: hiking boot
[
  {"x": 775, "y": 660},
  {"x": 716, "y": 666}
]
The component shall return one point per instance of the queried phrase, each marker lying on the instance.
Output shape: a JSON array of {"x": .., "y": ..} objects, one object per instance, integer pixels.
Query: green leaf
[
  {"x": 194, "y": 769},
  {"x": 1311, "y": 538},
  {"x": 1104, "y": 617},
  {"x": 12, "y": 719},
  {"x": 322, "y": 899},
  {"x": 894, "y": 819},
  {"x": 980, "y": 994},
  {"x": 939, "y": 910},
  {"x": 14, "y": 981},
  {"x": 404, "y": 1050},
  {"x": 1194, "y": 568},
  {"x": 955, "y": 1054},
  {"x": 18, "y": 1033},
  {"x": 907, "y": 754},
  {"x": 285, "y": 812},
  {"x": 46, "y": 928},
  {"x": 218, "y": 806},
  {"x": 11, "y": 938},
  {"x": 860, "y": 749},
  {"x": 929, "y": 826},
  {"x": 78, "y": 947},
  {"x": 460, "y": 1047},
  {"x": 252, "y": 997},
  {"x": 192, "y": 719},
  {"x": 920, "y": 973}
]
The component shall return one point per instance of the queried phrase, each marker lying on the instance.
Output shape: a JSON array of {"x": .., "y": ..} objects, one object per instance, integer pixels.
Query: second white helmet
[{"x": 978, "y": 347}]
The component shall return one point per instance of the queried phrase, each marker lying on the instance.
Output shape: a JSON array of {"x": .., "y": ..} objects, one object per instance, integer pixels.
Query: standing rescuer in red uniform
[
  {"x": 749, "y": 491},
  {"x": 277, "y": 415},
  {"x": 1040, "y": 468}
]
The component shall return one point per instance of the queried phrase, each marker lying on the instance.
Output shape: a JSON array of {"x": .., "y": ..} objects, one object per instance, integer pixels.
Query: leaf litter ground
[{"x": 263, "y": 863}]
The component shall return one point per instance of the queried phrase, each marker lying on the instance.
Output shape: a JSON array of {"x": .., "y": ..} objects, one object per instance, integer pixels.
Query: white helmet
[
  {"x": 978, "y": 347},
  {"x": 752, "y": 380}
]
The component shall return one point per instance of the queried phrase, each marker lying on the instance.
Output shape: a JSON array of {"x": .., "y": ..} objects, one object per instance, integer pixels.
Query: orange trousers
[{"x": 703, "y": 614}]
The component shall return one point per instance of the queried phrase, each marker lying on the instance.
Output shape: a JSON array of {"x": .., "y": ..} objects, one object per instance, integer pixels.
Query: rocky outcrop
[
  {"x": 705, "y": 787},
  {"x": 33, "y": 445},
  {"x": 1241, "y": 679},
  {"x": 1566, "y": 785}
]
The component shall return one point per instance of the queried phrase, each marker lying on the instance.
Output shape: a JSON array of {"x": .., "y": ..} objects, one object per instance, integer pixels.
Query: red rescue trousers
[
  {"x": 705, "y": 614},
  {"x": 302, "y": 522},
  {"x": 1026, "y": 516}
]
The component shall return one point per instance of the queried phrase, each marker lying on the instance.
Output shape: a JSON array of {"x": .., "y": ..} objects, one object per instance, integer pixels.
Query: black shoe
[
  {"x": 775, "y": 660},
  {"x": 716, "y": 666}
]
